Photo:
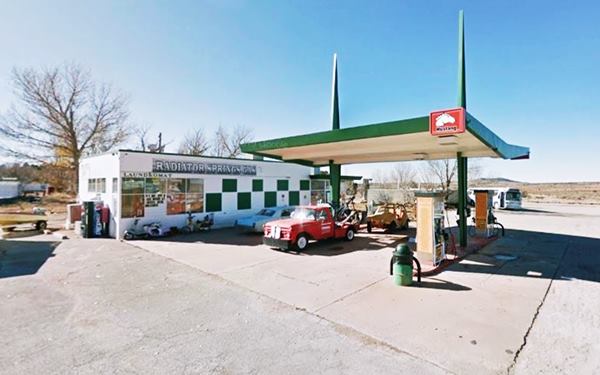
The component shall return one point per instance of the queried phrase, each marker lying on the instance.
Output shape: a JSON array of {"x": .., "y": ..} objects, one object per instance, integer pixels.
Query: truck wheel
[
  {"x": 41, "y": 225},
  {"x": 369, "y": 227},
  {"x": 350, "y": 234},
  {"x": 392, "y": 227},
  {"x": 301, "y": 242}
]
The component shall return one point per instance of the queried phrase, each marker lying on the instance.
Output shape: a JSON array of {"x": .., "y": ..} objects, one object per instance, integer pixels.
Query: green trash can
[{"x": 401, "y": 265}]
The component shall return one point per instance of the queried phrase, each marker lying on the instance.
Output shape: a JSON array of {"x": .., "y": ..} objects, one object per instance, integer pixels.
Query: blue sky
[{"x": 532, "y": 67}]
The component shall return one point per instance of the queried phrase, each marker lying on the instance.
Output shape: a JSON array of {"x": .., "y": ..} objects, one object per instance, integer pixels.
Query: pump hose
[{"x": 415, "y": 260}]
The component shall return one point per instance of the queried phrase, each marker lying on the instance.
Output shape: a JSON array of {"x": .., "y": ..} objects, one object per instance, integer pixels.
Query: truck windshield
[
  {"x": 513, "y": 195},
  {"x": 303, "y": 213}
]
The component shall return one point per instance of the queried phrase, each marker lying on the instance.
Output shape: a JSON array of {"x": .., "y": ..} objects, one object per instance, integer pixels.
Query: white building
[{"x": 164, "y": 187}]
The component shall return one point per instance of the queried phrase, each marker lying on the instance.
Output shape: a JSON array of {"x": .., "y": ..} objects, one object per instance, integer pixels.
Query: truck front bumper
[{"x": 278, "y": 243}]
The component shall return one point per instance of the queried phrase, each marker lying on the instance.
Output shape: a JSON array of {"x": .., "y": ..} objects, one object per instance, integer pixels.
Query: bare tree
[
  {"x": 442, "y": 172},
  {"x": 141, "y": 135},
  {"x": 62, "y": 116},
  {"x": 380, "y": 177},
  {"x": 475, "y": 170},
  {"x": 228, "y": 144},
  {"x": 403, "y": 174},
  {"x": 194, "y": 143}
]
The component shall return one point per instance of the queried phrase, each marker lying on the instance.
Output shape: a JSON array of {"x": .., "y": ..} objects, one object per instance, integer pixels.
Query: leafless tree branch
[{"x": 62, "y": 116}]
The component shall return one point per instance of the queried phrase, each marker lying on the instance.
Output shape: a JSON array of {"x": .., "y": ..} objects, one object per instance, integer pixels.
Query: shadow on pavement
[
  {"x": 20, "y": 258},
  {"x": 440, "y": 284},
  {"x": 232, "y": 236},
  {"x": 537, "y": 255}
]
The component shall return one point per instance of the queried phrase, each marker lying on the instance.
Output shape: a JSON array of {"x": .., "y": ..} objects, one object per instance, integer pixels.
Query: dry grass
[
  {"x": 55, "y": 203},
  {"x": 568, "y": 192}
]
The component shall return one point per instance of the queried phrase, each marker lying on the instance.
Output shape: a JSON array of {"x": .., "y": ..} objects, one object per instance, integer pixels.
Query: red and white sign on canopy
[{"x": 450, "y": 121}]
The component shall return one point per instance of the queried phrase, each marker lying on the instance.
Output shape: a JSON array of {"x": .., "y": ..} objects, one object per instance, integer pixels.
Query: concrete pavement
[
  {"x": 101, "y": 306},
  {"x": 227, "y": 304}
]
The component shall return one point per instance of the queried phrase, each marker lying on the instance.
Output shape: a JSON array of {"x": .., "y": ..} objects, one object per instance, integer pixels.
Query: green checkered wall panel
[
  {"x": 294, "y": 198},
  {"x": 244, "y": 201},
  {"x": 270, "y": 198},
  {"x": 229, "y": 185},
  {"x": 213, "y": 202},
  {"x": 283, "y": 185},
  {"x": 304, "y": 184},
  {"x": 257, "y": 185}
]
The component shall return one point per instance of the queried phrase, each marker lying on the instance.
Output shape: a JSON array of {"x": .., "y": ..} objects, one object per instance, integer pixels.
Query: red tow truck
[{"x": 308, "y": 223}]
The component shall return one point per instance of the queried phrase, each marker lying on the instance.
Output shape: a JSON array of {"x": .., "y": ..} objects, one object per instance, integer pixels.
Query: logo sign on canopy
[{"x": 447, "y": 122}]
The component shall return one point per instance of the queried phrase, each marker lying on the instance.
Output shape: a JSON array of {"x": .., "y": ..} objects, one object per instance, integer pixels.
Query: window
[
  {"x": 132, "y": 197},
  {"x": 265, "y": 212},
  {"x": 283, "y": 185},
  {"x": 244, "y": 201},
  {"x": 229, "y": 185},
  {"x": 287, "y": 212},
  {"x": 304, "y": 213},
  {"x": 270, "y": 198},
  {"x": 257, "y": 185},
  {"x": 176, "y": 196},
  {"x": 195, "y": 195},
  {"x": 304, "y": 184},
  {"x": 213, "y": 202},
  {"x": 320, "y": 191},
  {"x": 115, "y": 185},
  {"x": 294, "y": 198},
  {"x": 101, "y": 185},
  {"x": 97, "y": 185}
]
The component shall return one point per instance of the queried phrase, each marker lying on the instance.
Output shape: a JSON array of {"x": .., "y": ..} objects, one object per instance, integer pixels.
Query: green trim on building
[
  {"x": 270, "y": 198},
  {"x": 491, "y": 140},
  {"x": 257, "y": 185},
  {"x": 408, "y": 126},
  {"x": 213, "y": 202},
  {"x": 229, "y": 185},
  {"x": 294, "y": 198},
  {"x": 244, "y": 201},
  {"x": 304, "y": 184},
  {"x": 283, "y": 185}
]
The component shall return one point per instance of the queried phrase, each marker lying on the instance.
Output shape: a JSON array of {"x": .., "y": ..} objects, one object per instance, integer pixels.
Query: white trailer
[
  {"x": 10, "y": 189},
  {"x": 503, "y": 197}
]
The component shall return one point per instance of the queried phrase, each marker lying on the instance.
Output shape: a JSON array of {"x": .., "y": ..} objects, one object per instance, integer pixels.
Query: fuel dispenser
[
  {"x": 94, "y": 219},
  {"x": 431, "y": 236},
  {"x": 484, "y": 216}
]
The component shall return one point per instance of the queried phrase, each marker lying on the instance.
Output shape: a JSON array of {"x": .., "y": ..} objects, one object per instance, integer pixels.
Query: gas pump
[
  {"x": 431, "y": 236},
  {"x": 484, "y": 220}
]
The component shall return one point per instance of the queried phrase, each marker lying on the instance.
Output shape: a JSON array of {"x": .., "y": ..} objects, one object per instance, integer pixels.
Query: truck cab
[{"x": 307, "y": 223}]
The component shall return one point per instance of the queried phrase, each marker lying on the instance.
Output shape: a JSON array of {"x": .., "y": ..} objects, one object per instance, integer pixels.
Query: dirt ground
[
  {"x": 53, "y": 204},
  {"x": 569, "y": 192}
]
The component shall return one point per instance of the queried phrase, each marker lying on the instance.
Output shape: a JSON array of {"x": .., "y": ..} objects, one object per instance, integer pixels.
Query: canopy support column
[
  {"x": 335, "y": 171},
  {"x": 462, "y": 199}
]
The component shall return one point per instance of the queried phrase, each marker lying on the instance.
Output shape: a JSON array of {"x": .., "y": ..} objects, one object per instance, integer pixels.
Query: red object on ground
[{"x": 447, "y": 122}]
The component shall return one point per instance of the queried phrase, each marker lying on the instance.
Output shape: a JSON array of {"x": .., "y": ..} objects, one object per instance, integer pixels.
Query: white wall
[
  {"x": 269, "y": 172},
  {"x": 101, "y": 166}
]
